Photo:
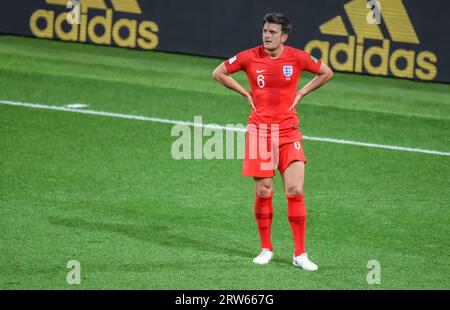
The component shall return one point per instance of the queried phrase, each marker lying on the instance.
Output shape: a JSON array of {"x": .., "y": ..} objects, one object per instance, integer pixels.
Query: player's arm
[
  {"x": 323, "y": 75},
  {"x": 221, "y": 75}
]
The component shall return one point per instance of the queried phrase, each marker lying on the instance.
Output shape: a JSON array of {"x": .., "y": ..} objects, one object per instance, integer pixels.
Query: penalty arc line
[{"x": 213, "y": 126}]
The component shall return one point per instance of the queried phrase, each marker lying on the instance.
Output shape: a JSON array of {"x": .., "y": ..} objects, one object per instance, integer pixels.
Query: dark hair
[{"x": 280, "y": 19}]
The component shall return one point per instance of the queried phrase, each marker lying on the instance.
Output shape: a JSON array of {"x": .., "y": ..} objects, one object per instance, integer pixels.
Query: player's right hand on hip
[{"x": 250, "y": 101}]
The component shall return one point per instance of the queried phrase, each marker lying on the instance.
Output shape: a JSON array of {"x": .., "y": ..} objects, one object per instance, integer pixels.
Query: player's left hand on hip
[{"x": 296, "y": 101}]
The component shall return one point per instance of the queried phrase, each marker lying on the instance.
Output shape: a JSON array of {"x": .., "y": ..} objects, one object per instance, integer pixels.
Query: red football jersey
[{"x": 273, "y": 82}]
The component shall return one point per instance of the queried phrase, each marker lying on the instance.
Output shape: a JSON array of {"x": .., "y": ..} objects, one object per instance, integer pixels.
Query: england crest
[{"x": 287, "y": 71}]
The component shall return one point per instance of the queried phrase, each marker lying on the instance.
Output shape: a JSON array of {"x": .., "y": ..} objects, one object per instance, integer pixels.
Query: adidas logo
[
  {"x": 94, "y": 26},
  {"x": 389, "y": 60}
]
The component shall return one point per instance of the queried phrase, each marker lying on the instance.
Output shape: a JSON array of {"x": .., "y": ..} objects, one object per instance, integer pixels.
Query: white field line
[{"x": 213, "y": 126}]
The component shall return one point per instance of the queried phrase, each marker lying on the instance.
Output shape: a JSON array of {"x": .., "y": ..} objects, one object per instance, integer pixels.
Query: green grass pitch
[{"x": 106, "y": 191}]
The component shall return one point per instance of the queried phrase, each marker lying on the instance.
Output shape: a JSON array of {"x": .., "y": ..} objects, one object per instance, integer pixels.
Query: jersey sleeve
[
  {"x": 308, "y": 62},
  {"x": 237, "y": 62}
]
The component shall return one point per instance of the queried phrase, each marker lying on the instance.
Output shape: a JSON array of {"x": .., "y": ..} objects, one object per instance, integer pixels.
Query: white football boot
[
  {"x": 304, "y": 262},
  {"x": 264, "y": 257}
]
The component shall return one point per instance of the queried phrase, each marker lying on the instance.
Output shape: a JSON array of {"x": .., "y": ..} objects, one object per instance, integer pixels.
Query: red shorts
[{"x": 263, "y": 156}]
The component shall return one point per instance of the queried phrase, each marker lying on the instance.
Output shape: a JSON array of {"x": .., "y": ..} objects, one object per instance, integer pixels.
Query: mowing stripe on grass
[{"x": 212, "y": 126}]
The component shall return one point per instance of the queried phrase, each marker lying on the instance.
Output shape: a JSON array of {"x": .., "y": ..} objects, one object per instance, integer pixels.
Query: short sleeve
[
  {"x": 309, "y": 62},
  {"x": 237, "y": 62}
]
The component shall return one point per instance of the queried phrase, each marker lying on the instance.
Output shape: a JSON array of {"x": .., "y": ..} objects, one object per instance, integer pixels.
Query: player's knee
[
  {"x": 264, "y": 191},
  {"x": 294, "y": 191}
]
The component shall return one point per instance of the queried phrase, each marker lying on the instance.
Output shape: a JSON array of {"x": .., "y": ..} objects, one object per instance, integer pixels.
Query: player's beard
[{"x": 271, "y": 47}]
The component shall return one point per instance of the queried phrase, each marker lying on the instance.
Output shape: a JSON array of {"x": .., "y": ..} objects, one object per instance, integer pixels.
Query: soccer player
[{"x": 273, "y": 70}]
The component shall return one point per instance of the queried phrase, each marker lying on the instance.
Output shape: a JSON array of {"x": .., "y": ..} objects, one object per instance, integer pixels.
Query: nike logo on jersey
[{"x": 260, "y": 71}]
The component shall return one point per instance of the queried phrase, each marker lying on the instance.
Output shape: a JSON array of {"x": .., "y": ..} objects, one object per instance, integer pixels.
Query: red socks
[
  {"x": 297, "y": 219},
  {"x": 263, "y": 215},
  {"x": 296, "y": 216}
]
